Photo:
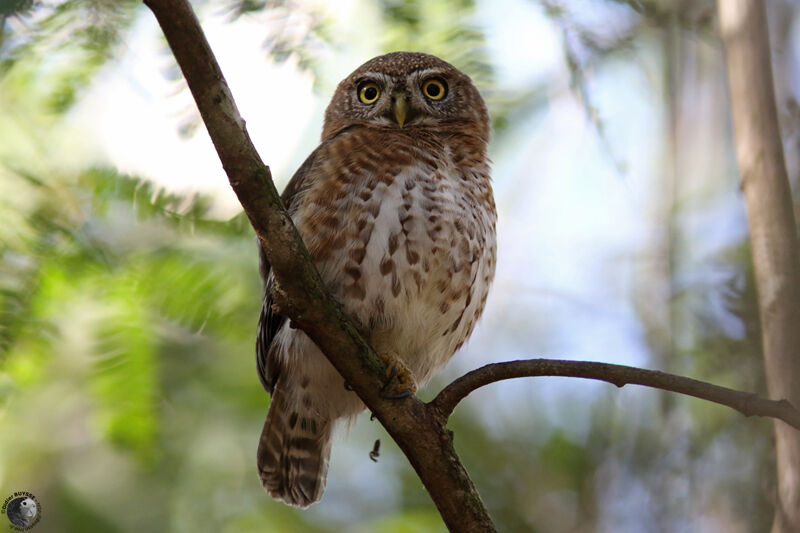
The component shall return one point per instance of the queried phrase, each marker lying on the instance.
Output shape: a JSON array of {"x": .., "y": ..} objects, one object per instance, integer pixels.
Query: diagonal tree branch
[
  {"x": 301, "y": 296},
  {"x": 620, "y": 375}
]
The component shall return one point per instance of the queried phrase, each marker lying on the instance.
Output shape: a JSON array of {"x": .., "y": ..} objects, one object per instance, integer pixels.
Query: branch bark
[
  {"x": 619, "y": 375},
  {"x": 426, "y": 443},
  {"x": 419, "y": 429},
  {"x": 773, "y": 233}
]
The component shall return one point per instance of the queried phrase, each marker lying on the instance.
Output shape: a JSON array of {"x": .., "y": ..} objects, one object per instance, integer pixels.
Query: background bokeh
[{"x": 129, "y": 290}]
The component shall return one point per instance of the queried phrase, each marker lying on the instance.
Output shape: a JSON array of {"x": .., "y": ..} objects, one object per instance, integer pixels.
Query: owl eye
[
  {"x": 369, "y": 92},
  {"x": 435, "y": 89}
]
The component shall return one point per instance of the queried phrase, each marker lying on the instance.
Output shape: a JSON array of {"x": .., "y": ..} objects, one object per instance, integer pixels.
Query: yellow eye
[
  {"x": 369, "y": 92},
  {"x": 434, "y": 89}
]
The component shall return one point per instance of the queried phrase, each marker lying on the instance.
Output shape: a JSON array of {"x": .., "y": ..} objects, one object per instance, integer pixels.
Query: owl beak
[{"x": 400, "y": 107}]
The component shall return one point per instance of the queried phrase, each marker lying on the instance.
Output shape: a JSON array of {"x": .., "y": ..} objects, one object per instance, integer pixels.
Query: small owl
[
  {"x": 22, "y": 511},
  {"x": 395, "y": 206}
]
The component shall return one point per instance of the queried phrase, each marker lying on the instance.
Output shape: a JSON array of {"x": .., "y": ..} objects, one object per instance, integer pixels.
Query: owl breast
[{"x": 402, "y": 231}]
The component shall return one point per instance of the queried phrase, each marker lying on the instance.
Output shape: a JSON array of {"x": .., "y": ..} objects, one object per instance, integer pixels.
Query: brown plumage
[{"x": 396, "y": 209}]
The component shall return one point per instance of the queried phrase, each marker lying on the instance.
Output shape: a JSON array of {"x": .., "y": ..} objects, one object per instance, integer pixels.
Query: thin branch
[{"x": 620, "y": 375}]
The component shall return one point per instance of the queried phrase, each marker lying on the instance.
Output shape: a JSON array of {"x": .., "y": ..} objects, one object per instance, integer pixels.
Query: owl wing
[{"x": 270, "y": 322}]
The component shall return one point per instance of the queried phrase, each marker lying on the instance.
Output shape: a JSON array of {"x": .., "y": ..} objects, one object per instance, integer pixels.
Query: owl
[
  {"x": 22, "y": 511},
  {"x": 396, "y": 209}
]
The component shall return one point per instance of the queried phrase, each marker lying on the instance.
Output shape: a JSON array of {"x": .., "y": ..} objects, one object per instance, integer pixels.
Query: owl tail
[{"x": 293, "y": 453}]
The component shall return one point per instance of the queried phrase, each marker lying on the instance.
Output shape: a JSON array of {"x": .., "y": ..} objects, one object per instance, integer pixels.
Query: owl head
[{"x": 407, "y": 90}]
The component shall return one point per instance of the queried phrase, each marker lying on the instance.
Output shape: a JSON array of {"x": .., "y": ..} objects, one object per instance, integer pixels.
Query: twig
[{"x": 746, "y": 403}]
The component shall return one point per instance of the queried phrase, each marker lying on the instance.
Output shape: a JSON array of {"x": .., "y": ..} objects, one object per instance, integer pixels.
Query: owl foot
[{"x": 399, "y": 380}]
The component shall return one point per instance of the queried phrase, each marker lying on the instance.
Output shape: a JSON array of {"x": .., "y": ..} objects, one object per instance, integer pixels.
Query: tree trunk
[{"x": 772, "y": 229}]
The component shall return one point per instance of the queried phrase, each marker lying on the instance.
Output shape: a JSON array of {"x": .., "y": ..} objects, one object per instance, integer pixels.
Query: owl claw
[
  {"x": 399, "y": 380},
  {"x": 405, "y": 393}
]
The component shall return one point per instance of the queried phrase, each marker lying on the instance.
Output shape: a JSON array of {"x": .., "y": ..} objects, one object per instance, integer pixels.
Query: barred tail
[{"x": 293, "y": 453}]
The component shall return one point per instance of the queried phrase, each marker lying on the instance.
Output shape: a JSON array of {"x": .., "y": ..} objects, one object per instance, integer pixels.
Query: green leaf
[{"x": 124, "y": 382}]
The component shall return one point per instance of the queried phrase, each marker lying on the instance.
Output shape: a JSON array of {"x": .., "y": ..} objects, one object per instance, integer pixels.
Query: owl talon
[
  {"x": 347, "y": 386},
  {"x": 405, "y": 393},
  {"x": 399, "y": 380}
]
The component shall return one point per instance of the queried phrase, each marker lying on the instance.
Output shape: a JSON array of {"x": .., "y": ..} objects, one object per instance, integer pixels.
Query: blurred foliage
[
  {"x": 63, "y": 44},
  {"x": 298, "y": 30},
  {"x": 446, "y": 28},
  {"x": 14, "y": 7},
  {"x": 128, "y": 398}
]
